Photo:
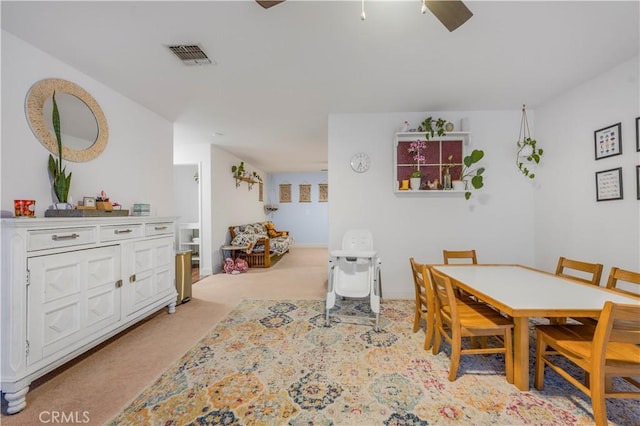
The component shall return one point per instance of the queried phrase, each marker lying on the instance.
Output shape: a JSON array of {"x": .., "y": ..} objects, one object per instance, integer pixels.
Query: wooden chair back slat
[
  {"x": 459, "y": 254},
  {"x": 631, "y": 277},
  {"x": 592, "y": 272}
]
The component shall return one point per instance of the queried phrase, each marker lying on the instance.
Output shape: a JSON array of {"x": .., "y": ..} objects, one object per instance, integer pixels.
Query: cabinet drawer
[
  {"x": 160, "y": 228},
  {"x": 43, "y": 239},
  {"x": 120, "y": 232}
]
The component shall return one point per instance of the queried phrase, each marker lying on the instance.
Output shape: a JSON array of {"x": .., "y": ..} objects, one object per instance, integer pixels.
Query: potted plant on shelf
[
  {"x": 416, "y": 174},
  {"x": 60, "y": 180},
  {"x": 238, "y": 171},
  {"x": 431, "y": 127},
  {"x": 468, "y": 171}
]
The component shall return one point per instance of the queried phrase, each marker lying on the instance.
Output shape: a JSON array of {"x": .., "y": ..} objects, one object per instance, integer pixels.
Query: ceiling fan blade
[
  {"x": 268, "y": 4},
  {"x": 452, "y": 13}
]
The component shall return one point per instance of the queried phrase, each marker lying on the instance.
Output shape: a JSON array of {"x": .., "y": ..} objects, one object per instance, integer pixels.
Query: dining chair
[
  {"x": 606, "y": 351},
  {"x": 456, "y": 319},
  {"x": 626, "y": 276},
  {"x": 585, "y": 272},
  {"x": 616, "y": 274},
  {"x": 459, "y": 254},
  {"x": 425, "y": 303}
]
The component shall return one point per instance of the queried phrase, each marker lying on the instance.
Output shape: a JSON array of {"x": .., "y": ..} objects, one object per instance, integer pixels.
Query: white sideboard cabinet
[{"x": 69, "y": 284}]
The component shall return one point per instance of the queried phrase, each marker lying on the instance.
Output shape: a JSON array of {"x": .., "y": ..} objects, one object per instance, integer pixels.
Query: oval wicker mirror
[{"x": 82, "y": 123}]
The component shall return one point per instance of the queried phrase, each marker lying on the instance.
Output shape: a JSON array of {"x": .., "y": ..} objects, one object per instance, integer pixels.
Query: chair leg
[
  {"x": 508, "y": 355},
  {"x": 416, "y": 320},
  {"x": 437, "y": 339},
  {"x": 541, "y": 346},
  {"x": 456, "y": 347},
  {"x": 428, "y": 335},
  {"x": 598, "y": 401}
]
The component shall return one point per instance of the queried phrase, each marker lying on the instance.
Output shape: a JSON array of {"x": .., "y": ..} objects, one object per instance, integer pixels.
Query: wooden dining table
[{"x": 522, "y": 293}]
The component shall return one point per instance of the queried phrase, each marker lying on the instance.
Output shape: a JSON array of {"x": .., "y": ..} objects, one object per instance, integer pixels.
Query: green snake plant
[{"x": 61, "y": 181}]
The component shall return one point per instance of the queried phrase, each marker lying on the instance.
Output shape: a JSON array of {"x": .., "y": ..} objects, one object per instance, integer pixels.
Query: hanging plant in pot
[
  {"x": 60, "y": 180},
  {"x": 528, "y": 153}
]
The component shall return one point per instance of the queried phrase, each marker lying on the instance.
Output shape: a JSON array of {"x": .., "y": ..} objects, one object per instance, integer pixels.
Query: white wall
[
  {"x": 187, "y": 192},
  {"x": 135, "y": 166},
  {"x": 497, "y": 221},
  {"x": 568, "y": 220},
  {"x": 307, "y": 223}
]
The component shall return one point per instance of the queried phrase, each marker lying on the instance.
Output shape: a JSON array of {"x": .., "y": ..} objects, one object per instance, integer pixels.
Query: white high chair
[{"x": 354, "y": 271}]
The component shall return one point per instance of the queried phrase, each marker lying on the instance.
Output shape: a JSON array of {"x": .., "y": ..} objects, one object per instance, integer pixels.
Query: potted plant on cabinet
[{"x": 60, "y": 180}]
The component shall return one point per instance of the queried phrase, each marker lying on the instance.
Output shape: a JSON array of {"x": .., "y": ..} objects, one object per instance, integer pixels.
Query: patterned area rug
[{"x": 273, "y": 362}]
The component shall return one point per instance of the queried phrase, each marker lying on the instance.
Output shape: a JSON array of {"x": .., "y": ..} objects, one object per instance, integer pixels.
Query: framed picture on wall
[
  {"x": 609, "y": 185},
  {"x": 637, "y": 133},
  {"x": 608, "y": 141}
]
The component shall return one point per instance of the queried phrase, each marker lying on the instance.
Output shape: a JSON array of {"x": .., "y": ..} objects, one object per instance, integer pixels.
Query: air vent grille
[{"x": 190, "y": 54}]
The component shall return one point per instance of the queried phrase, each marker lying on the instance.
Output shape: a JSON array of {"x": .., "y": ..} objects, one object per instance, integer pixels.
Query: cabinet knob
[
  {"x": 123, "y": 231},
  {"x": 161, "y": 228},
  {"x": 118, "y": 283},
  {"x": 132, "y": 278}
]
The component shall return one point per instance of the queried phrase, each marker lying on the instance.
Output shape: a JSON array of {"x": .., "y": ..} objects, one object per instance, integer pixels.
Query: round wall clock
[{"x": 360, "y": 162}]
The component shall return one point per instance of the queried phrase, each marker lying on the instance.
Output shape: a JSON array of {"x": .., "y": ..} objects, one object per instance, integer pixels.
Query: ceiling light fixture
[
  {"x": 424, "y": 7},
  {"x": 363, "y": 15}
]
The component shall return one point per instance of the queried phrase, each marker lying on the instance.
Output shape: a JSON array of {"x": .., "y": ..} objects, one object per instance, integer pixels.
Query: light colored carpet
[
  {"x": 103, "y": 381},
  {"x": 274, "y": 362}
]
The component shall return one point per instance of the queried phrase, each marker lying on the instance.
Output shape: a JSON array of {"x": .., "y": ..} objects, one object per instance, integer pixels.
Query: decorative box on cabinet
[
  {"x": 438, "y": 150},
  {"x": 69, "y": 284}
]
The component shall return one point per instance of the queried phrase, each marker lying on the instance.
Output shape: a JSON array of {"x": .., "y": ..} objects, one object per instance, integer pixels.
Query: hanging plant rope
[{"x": 527, "y": 150}]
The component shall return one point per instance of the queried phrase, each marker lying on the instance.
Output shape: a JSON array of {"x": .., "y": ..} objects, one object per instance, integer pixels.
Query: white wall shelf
[{"x": 436, "y": 154}]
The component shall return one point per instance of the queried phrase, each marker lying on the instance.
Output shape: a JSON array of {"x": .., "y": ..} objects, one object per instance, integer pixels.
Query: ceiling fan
[{"x": 452, "y": 13}]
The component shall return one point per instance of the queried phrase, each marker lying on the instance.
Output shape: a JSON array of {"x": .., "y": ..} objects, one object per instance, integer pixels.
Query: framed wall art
[
  {"x": 304, "y": 195},
  {"x": 637, "y": 133},
  {"x": 323, "y": 189},
  {"x": 609, "y": 185},
  {"x": 608, "y": 141},
  {"x": 285, "y": 192}
]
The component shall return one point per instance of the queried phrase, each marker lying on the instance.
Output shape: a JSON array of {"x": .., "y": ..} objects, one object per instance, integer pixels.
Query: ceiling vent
[{"x": 190, "y": 54}]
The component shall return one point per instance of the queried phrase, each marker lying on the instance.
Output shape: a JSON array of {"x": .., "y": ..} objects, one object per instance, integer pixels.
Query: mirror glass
[
  {"x": 78, "y": 125},
  {"x": 83, "y": 125}
]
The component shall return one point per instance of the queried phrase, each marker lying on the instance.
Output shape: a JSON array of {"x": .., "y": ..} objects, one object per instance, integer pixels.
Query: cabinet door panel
[
  {"x": 75, "y": 296},
  {"x": 142, "y": 292},
  {"x": 154, "y": 269}
]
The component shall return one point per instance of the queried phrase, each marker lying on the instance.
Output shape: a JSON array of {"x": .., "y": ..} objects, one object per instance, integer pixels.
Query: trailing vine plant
[{"x": 528, "y": 152}]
